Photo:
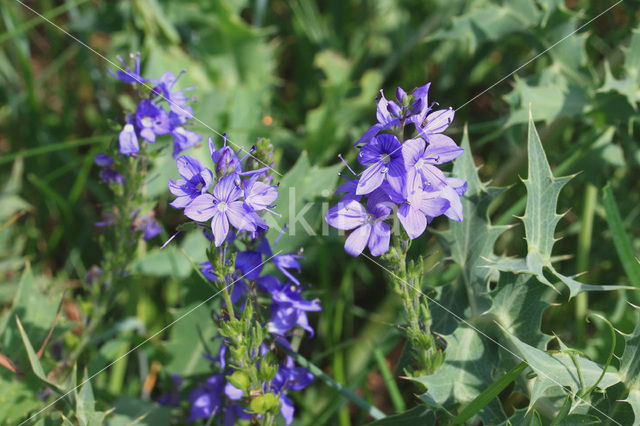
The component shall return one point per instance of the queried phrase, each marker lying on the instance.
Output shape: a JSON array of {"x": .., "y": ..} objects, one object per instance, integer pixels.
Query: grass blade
[
  {"x": 620, "y": 237},
  {"x": 491, "y": 392}
]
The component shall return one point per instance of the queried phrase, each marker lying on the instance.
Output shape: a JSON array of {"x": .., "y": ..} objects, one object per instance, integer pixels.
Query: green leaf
[
  {"x": 85, "y": 405},
  {"x": 549, "y": 96},
  {"x": 629, "y": 372},
  {"x": 540, "y": 220},
  {"x": 169, "y": 261},
  {"x": 471, "y": 241},
  {"x": 465, "y": 374},
  {"x": 518, "y": 306},
  {"x": 298, "y": 202},
  {"x": 129, "y": 410},
  {"x": 489, "y": 22},
  {"x": 194, "y": 331},
  {"x": 561, "y": 369},
  {"x": 36, "y": 310},
  {"x": 33, "y": 359},
  {"x": 418, "y": 415},
  {"x": 17, "y": 397}
]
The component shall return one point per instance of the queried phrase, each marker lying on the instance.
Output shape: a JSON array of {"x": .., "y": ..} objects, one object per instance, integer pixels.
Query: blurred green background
[{"x": 305, "y": 74}]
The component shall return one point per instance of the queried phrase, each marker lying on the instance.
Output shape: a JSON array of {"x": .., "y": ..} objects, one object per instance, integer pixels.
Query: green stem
[
  {"x": 582, "y": 257},
  {"x": 392, "y": 387}
]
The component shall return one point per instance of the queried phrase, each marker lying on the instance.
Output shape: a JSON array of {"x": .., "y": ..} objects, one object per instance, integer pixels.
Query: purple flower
[
  {"x": 369, "y": 228},
  {"x": 148, "y": 225},
  {"x": 222, "y": 208},
  {"x": 420, "y": 204},
  {"x": 177, "y": 99},
  {"x": 110, "y": 176},
  {"x": 383, "y": 155},
  {"x": 196, "y": 180},
  {"x": 172, "y": 397},
  {"x": 107, "y": 174},
  {"x": 454, "y": 189},
  {"x": 249, "y": 264},
  {"x": 102, "y": 160},
  {"x": 385, "y": 120},
  {"x": 225, "y": 159},
  {"x": 258, "y": 195},
  {"x": 183, "y": 139},
  {"x": 151, "y": 120},
  {"x": 283, "y": 262},
  {"x": 422, "y": 158},
  {"x": 429, "y": 124},
  {"x": 290, "y": 377},
  {"x": 207, "y": 400},
  {"x": 128, "y": 140},
  {"x": 290, "y": 309},
  {"x": 129, "y": 76},
  {"x": 348, "y": 189}
]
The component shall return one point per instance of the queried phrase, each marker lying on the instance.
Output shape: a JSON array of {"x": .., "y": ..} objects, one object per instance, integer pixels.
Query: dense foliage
[{"x": 172, "y": 222}]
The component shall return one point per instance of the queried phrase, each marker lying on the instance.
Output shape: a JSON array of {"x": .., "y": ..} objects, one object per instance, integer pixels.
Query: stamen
[{"x": 346, "y": 164}]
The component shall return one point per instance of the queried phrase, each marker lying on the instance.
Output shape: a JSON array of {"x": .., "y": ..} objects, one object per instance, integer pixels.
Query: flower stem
[{"x": 407, "y": 280}]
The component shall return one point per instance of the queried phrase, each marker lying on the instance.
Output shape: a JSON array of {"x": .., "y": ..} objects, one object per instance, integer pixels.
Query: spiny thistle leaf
[
  {"x": 471, "y": 241},
  {"x": 466, "y": 372},
  {"x": 560, "y": 369},
  {"x": 629, "y": 372},
  {"x": 540, "y": 220},
  {"x": 518, "y": 306}
]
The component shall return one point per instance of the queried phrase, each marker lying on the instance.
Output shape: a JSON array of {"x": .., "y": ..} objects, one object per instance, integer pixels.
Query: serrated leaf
[
  {"x": 85, "y": 405},
  {"x": 629, "y": 372},
  {"x": 549, "y": 96},
  {"x": 471, "y": 241},
  {"x": 518, "y": 306},
  {"x": 465, "y": 374},
  {"x": 36, "y": 310},
  {"x": 540, "y": 220},
  {"x": 489, "y": 22},
  {"x": 558, "y": 370}
]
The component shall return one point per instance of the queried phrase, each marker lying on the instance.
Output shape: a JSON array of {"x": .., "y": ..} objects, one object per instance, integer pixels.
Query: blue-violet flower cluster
[
  {"x": 229, "y": 201},
  {"x": 165, "y": 111},
  {"x": 401, "y": 177}
]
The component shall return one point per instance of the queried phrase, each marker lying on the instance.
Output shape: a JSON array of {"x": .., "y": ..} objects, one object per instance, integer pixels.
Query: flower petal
[
  {"x": 219, "y": 227},
  {"x": 128, "y": 140},
  {"x": 176, "y": 187},
  {"x": 369, "y": 134},
  {"x": 432, "y": 176},
  {"x": 201, "y": 208},
  {"x": 438, "y": 121},
  {"x": 346, "y": 215},
  {"x": 228, "y": 188},
  {"x": 441, "y": 149},
  {"x": 357, "y": 240},
  {"x": 371, "y": 179},
  {"x": 240, "y": 216},
  {"x": 434, "y": 206},
  {"x": 413, "y": 220},
  {"x": 188, "y": 167},
  {"x": 379, "y": 239},
  {"x": 454, "y": 212},
  {"x": 412, "y": 151}
]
